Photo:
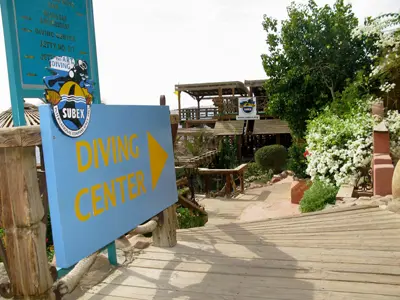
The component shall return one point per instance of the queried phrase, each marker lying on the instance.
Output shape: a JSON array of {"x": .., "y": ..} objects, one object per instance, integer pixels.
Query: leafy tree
[{"x": 310, "y": 59}]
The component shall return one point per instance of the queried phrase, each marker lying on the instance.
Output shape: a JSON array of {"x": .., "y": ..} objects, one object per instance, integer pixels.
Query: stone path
[{"x": 256, "y": 204}]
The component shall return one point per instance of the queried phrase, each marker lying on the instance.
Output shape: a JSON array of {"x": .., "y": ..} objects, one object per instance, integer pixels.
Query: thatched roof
[{"x": 31, "y": 116}]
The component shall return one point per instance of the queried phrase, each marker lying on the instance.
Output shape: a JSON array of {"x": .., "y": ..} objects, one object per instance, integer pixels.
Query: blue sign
[
  {"x": 35, "y": 32},
  {"x": 118, "y": 174}
]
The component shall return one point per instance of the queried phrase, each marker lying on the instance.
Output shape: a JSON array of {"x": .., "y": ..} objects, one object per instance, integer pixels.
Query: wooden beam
[
  {"x": 237, "y": 170},
  {"x": 23, "y": 136},
  {"x": 165, "y": 234}
]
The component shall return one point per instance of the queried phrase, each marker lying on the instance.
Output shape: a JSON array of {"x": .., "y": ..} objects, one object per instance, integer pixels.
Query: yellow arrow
[{"x": 158, "y": 157}]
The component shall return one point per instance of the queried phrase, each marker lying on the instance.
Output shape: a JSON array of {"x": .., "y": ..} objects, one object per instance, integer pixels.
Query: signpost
[
  {"x": 247, "y": 109},
  {"x": 104, "y": 183},
  {"x": 36, "y": 31}
]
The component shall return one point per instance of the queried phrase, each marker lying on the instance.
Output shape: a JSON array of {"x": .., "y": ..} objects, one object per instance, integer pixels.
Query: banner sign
[
  {"x": 247, "y": 108},
  {"x": 116, "y": 175}
]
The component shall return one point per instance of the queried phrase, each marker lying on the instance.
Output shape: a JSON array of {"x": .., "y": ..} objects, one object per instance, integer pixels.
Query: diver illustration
[{"x": 78, "y": 74}]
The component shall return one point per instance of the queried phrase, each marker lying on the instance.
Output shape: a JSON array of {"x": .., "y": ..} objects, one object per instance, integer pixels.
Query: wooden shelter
[
  {"x": 222, "y": 117},
  {"x": 222, "y": 93}
]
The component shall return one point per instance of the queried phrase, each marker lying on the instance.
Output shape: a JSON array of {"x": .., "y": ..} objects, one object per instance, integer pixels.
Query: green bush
[
  {"x": 271, "y": 157},
  {"x": 297, "y": 163},
  {"x": 318, "y": 196},
  {"x": 189, "y": 219},
  {"x": 255, "y": 173}
]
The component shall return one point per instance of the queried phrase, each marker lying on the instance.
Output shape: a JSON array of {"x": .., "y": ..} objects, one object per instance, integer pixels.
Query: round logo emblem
[
  {"x": 247, "y": 105},
  {"x": 70, "y": 94}
]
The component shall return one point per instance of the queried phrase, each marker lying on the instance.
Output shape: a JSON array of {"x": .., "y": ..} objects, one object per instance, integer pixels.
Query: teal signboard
[
  {"x": 116, "y": 175},
  {"x": 37, "y": 31}
]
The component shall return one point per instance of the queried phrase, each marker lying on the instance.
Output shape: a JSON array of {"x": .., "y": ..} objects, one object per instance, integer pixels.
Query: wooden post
[
  {"x": 228, "y": 186},
  {"x": 278, "y": 139},
  {"x": 165, "y": 234},
  {"x": 207, "y": 185},
  {"x": 22, "y": 214},
  {"x": 179, "y": 105},
  {"x": 241, "y": 183}
]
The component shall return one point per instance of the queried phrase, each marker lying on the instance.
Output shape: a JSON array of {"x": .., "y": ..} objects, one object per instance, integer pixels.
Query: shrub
[
  {"x": 255, "y": 173},
  {"x": 189, "y": 219},
  {"x": 318, "y": 196},
  {"x": 297, "y": 162},
  {"x": 338, "y": 145},
  {"x": 227, "y": 157},
  {"x": 271, "y": 157}
]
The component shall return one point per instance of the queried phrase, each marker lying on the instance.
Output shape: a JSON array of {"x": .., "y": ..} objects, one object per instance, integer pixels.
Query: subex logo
[
  {"x": 70, "y": 92},
  {"x": 247, "y": 105}
]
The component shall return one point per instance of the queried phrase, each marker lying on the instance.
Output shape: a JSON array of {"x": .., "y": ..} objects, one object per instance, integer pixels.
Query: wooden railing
[
  {"x": 230, "y": 185},
  {"x": 223, "y": 107},
  {"x": 197, "y": 114}
]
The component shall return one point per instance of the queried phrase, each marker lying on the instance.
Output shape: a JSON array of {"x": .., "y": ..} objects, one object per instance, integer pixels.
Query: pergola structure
[
  {"x": 256, "y": 87},
  {"x": 211, "y": 91}
]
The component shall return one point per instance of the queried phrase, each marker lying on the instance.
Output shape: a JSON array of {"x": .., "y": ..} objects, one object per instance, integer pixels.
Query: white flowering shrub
[
  {"x": 338, "y": 146},
  {"x": 392, "y": 122}
]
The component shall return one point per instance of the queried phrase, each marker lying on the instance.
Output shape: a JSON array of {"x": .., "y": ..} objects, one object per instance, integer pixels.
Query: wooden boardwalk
[{"x": 351, "y": 253}]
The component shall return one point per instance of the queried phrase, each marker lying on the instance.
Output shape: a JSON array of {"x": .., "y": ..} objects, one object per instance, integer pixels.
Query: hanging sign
[{"x": 247, "y": 109}]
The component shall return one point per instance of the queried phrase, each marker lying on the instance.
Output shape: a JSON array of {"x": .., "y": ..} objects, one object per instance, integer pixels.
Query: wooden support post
[
  {"x": 21, "y": 217},
  {"x": 228, "y": 186},
  {"x": 278, "y": 139},
  {"x": 165, "y": 234},
  {"x": 207, "y": 185},
  {"x": 179, "y": 105},
  {"x": 241, "y": 183}
]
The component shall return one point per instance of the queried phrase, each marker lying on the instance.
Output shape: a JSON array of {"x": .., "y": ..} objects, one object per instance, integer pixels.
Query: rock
[
  {"x": 396, "y": 182},
  {"x": 349, "y": 199},
  {"x": 394, "y": 207},
  {"x": 331, "y": 206},
  {"x": 284, "y": 174},
  {"x": 276, "y": 179},
  {"x": 364, "y": 199}
]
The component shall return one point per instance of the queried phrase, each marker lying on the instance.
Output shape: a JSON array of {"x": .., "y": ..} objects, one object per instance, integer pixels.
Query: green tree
[{"x": 310, "y": 58}]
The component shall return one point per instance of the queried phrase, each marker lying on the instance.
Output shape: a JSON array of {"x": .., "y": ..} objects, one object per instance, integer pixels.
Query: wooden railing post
[
  {"x": 22, "y": 213},
  {"x": 165, "y": 234}
]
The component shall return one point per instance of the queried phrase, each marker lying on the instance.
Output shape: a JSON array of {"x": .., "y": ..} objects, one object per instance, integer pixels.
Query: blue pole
[{"x": 17, "y": 101}]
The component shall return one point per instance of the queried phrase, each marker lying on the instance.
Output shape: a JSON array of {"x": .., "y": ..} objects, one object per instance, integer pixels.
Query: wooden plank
[
  {"x": 293, "y": 227},
  {"x": 114, "y": 291},
  {"x": 190, "y": 205},
  {"x": 271, "y": 251},
  {"x": 23, "y": 136},
  {"x": 360, "y": 265},
  {"x": 233, "y": 284},
  {"x": 259, "y": 271}
]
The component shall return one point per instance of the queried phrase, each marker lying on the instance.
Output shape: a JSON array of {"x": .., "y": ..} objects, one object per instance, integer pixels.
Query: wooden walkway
[{"x": 346, "y": 254}]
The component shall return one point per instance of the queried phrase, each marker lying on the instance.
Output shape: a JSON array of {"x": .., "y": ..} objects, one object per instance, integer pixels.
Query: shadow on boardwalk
[{"x": 223, "y": 262}]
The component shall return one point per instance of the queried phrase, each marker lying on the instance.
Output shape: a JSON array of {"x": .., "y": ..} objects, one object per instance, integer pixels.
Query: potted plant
[{"x": 297, "y": 163}]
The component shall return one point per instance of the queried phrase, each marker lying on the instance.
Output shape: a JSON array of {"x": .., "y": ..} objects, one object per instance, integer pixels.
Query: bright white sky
[{"x": 144, "y": 48}]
